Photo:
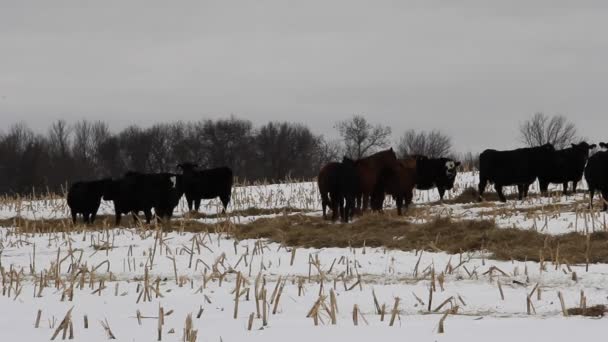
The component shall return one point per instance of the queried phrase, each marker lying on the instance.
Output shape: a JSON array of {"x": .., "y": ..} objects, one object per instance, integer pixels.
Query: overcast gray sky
[{"x": 474, "y": 69}]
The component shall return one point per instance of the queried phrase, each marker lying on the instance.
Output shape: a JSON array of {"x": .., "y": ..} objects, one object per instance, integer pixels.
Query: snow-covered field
[{"x": 102, "y": 275}]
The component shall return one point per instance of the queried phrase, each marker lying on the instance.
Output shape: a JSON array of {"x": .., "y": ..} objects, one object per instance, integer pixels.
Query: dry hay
[
  {"x": 593, "y": 311},
  {"x": 430, "y": 233}
]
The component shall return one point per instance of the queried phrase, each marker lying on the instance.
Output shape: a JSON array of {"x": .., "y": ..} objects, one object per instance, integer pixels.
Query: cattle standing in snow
[
  {"x": 206, "y": 184},
  {"x": 435, "y": 172},
  {"x": 369, "y": 170},
  {"x": 85, "y": 197},
  {"x": 569, "y": 167},
  {"x": 518, "y": 167},
  {"x": 596, "y": 175},
  {"x": 137, "y": 192},
  {"x": 399, "y": 182},
  {"x": 326, "y": 181},
  {"x": 338, "y": 185}
]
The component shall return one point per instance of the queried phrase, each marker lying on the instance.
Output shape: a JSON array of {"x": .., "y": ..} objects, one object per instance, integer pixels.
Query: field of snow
[{"x": 143, "y": 284}]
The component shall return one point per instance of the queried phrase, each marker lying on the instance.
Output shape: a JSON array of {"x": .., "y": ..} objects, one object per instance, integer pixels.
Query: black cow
[
  {"x": 85, "y": 197},
  {"x": 518, "y": 167},
  {"x": 569, "y": 167},
  {"x": 137, "y": 192},
  {"x": 435, "y": 172},
  {"x": 596, "y": 175},
  {"x": 206, "y": 184},
  {"x": 338, "y": 185}
]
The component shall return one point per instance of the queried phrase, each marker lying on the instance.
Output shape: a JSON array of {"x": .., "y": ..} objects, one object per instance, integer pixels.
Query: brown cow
[
  {"x": 324, "y": 181},
  {"x": 338, "y": 186},
  {"x": 369, "y": 170},
  {"x": 398, "y": 182}
]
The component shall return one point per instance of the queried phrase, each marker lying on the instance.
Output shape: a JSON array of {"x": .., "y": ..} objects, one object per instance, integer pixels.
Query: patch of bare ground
[
  {"x": 439, "y": 234},
  {"x": 471, "y": 195},
  {"x": 390, "y": 231},
  {"x": 592, "y": 311}
]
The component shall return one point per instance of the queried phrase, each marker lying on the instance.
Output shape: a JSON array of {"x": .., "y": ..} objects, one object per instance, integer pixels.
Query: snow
[
  {"x": 353, "y": 274},
  {"x": 388, "y": 273}
]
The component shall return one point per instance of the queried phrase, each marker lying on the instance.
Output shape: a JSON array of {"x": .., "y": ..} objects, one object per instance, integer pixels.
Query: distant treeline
[
  {"x": 89, "y": 150},
  {"x": 86, "y": 150}
]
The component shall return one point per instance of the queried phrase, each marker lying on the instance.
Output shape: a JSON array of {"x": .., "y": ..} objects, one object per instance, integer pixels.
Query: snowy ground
[{"x": 204, "y": 277}]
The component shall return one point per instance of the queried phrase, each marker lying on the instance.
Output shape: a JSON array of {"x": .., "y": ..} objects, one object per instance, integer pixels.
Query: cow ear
[
  {"x": 592, "y": 146},
  {"x": 457, "y": 163}
]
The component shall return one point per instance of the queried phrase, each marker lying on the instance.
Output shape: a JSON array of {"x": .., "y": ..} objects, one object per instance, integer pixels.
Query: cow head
[
  {"x": 583, "y": 146},
  {"x": 583, "y": 150},
  {"x": 451, "y": 168}
]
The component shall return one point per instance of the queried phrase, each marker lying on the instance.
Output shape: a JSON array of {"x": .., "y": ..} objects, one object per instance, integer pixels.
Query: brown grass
[
  {"x": 386, "y": 230},
  {"x": 593, "y": 311},
  {"x": 471, "y": 195},
  {"x": 439, "y": 234}
]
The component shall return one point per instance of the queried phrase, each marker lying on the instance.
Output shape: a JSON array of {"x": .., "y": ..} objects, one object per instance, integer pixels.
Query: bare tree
[
  {"x": 469, "y": 160},
  {"x": 362, "y": 138},
  {"x": 542, "y": 129},
  {"x": 286, "y": 150},
  {"x": 433, "y": 144},
  {"x": 328, "y": 151},
  {"x": 59, "y": 139}
]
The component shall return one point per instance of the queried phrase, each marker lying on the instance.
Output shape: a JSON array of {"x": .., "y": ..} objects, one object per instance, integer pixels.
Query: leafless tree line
[
  {"x": 272, "y": 152},
  {"x": 89, "y": 150}
]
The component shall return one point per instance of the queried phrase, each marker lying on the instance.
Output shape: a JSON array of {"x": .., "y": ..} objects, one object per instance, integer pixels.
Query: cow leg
[
  {"x": 501, "y": 196},
  {"x": 565, "y": 185},
  {"x": 365, "y": 203},
  {"x": 399, "y": 202},
  {"x": 604, "y": 199},
  {"x": 343, "y": 208},
  {"x": 409, "y": 195},
  {"x": 197, "y": 204},
  {"x": 481, "y": 188},
  {"x": 526, "y": 189},
  {"x": 74, "y": 214},
  {"x": 85, "y": 217},
  {"x": 520, "y": 192},
  {"x": 93, "y": 215},
  {"x": 324, "y": 204},
  {"x": 574, "y": 185},
  {"x": 148, "y": 214},
  {"x": 441, "y": 193},
  {"x": 350, "y": 207},
  {"x": 544, "y": 188},
  {"x": 190, "y": 204},
  {"x": 591, "y": 194},
  {"x": 117, "y": 218},
  {"x": 225, "y": 200},
  {"x": 335, "y": 207}
]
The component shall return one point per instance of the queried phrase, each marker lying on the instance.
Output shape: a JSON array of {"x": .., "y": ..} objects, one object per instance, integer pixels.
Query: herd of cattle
[
  {"x": 137, "y": 192},
  {"x": 352, "y": 185}
]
